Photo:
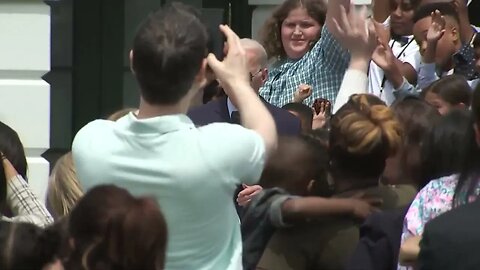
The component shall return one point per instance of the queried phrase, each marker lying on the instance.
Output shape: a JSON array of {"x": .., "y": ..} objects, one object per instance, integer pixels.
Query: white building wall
[{"x": 24, "y": 96}]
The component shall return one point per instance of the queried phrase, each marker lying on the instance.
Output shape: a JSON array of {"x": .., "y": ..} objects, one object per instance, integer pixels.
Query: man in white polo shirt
[{"x": 192, "y": 172}]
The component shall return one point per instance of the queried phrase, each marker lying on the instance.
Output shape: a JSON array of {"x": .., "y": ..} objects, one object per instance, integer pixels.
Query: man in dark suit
[
  {"x": 451, "y": 241},
  {"x": 224, "y": 110}
]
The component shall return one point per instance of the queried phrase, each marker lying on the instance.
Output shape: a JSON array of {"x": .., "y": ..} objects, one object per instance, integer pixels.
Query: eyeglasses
[{"x": 254, "y": 75}]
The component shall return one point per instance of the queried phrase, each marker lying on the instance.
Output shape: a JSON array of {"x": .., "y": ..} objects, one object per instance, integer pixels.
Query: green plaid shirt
[{"x": 322, "y": 67}]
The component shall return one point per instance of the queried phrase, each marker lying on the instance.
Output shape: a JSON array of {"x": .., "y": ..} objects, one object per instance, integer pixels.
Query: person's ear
[
  {"x": 130, "y": 57},
  {"x": 455, "y": 34},
  {"x": 201, "y": 77},
  {"x": 264, "y": 75}
]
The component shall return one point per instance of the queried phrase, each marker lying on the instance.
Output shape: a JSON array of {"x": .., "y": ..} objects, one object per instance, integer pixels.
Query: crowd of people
[{"x": 339, "y": 140}]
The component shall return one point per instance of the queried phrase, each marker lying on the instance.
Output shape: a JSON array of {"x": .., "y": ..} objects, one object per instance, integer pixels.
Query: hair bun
[{"x": 367, "y": 123}]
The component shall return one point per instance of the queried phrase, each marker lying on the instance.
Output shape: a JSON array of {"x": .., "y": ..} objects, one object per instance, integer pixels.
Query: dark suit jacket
[
  {"x": 217, "y": 111},
  {"x": 452, "y": 240},
  {"x": 379, "y": 241}
]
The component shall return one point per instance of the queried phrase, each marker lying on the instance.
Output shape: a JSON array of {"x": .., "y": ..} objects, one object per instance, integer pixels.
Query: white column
[
  {"x": 264, "y": 8},
  {"x": 24, "y": 96}
]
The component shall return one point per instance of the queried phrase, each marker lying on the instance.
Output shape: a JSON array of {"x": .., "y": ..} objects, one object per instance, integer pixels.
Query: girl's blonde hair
[{"x": 64, "y": 190}]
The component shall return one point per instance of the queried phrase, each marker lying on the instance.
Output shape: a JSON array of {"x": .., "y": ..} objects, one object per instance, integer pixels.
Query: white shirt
[
  {"x": 192, "y": 172},
  {"x": 231, "y": 107},
  {"x": 408, "y": 53}
]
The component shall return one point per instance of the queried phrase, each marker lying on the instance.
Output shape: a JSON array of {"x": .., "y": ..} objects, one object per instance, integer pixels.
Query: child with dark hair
[
  {"x": 294, "y": 179},
  {"x": 303, "y": 112},
  {"x": 449, "y": 92},
  {"x": 444, "y": 43}
]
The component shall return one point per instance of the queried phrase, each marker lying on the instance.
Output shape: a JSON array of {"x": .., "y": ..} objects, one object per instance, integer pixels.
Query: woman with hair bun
[{"x": 363, "y": 134}]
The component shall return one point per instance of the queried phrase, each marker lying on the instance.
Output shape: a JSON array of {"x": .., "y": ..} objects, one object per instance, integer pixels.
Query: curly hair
[
  {"x": 364, "y": 132},
  {"x": 270, "y": 34}
]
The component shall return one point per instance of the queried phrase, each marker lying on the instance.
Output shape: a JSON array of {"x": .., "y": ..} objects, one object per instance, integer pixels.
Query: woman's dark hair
[
  {"x": 363, "y": 134},
  {"x": 270, "y": 34},
  {"x": 453, "y": 89},
  {"x": 12, "y": 148},
  {"x": 469, "y": 178},
  {"x": 441, "y": 151},
  {"x": 112, "y": 229},
  {"x": 416, "y": 118},
  {"x": 26, "y": 246}
]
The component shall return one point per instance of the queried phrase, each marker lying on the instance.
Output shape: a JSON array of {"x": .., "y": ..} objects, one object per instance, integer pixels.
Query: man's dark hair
[
  {"x": 446, "y": 8},
  {"x": 168, "y": 51}
]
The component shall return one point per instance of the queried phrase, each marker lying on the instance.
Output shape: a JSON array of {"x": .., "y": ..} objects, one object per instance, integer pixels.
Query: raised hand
[
  {"x": 233, "y": 70},
  {"x": 383, "y": 32},
  {"x": 355, "y": 32},
  {"x": 437, "y": 29},
  {"x": 321, "y": 112},
  {"x": 303, "y": 92},
  {"x": 383, "y": 56},
  {"x": 8, "y": 168}
]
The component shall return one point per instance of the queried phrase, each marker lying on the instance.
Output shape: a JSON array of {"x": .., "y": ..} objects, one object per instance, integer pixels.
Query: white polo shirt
[{"x": 192, "y": 172}]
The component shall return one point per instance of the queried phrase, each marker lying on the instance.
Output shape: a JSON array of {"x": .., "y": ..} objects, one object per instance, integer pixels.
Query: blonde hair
[
  {"x": 64, "y": 190},
  {"x": 366, "y": 131}
]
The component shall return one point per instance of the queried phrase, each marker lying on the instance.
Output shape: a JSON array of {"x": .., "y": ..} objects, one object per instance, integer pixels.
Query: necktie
[{"x": 235, "y": 118}]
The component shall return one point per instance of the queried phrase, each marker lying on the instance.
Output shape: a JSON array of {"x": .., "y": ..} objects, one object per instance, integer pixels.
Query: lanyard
[{"x": 384, "y": 80}]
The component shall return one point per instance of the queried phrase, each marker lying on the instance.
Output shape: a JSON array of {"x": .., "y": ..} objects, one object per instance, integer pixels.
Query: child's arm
[
  {"x": 311, "y": 207},
  {"x": 434, "y": 34},
  {"x": 466, "y": 29},
  {"x": 426, "y": 74}
]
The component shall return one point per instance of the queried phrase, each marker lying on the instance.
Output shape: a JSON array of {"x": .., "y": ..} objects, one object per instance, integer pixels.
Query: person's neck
[
  {"x": 450, "y": 64},
  {"x": 148, "y": 110},
  {"x": 346, "y": 184}
]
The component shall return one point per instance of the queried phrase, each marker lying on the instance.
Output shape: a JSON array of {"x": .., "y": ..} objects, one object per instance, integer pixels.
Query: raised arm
[
  {"x": 356, "y": 34},
  {"x": 466, "y": 29},
  {"x": 233, "y": 74},
  {"x": 25, "y": 206}
]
